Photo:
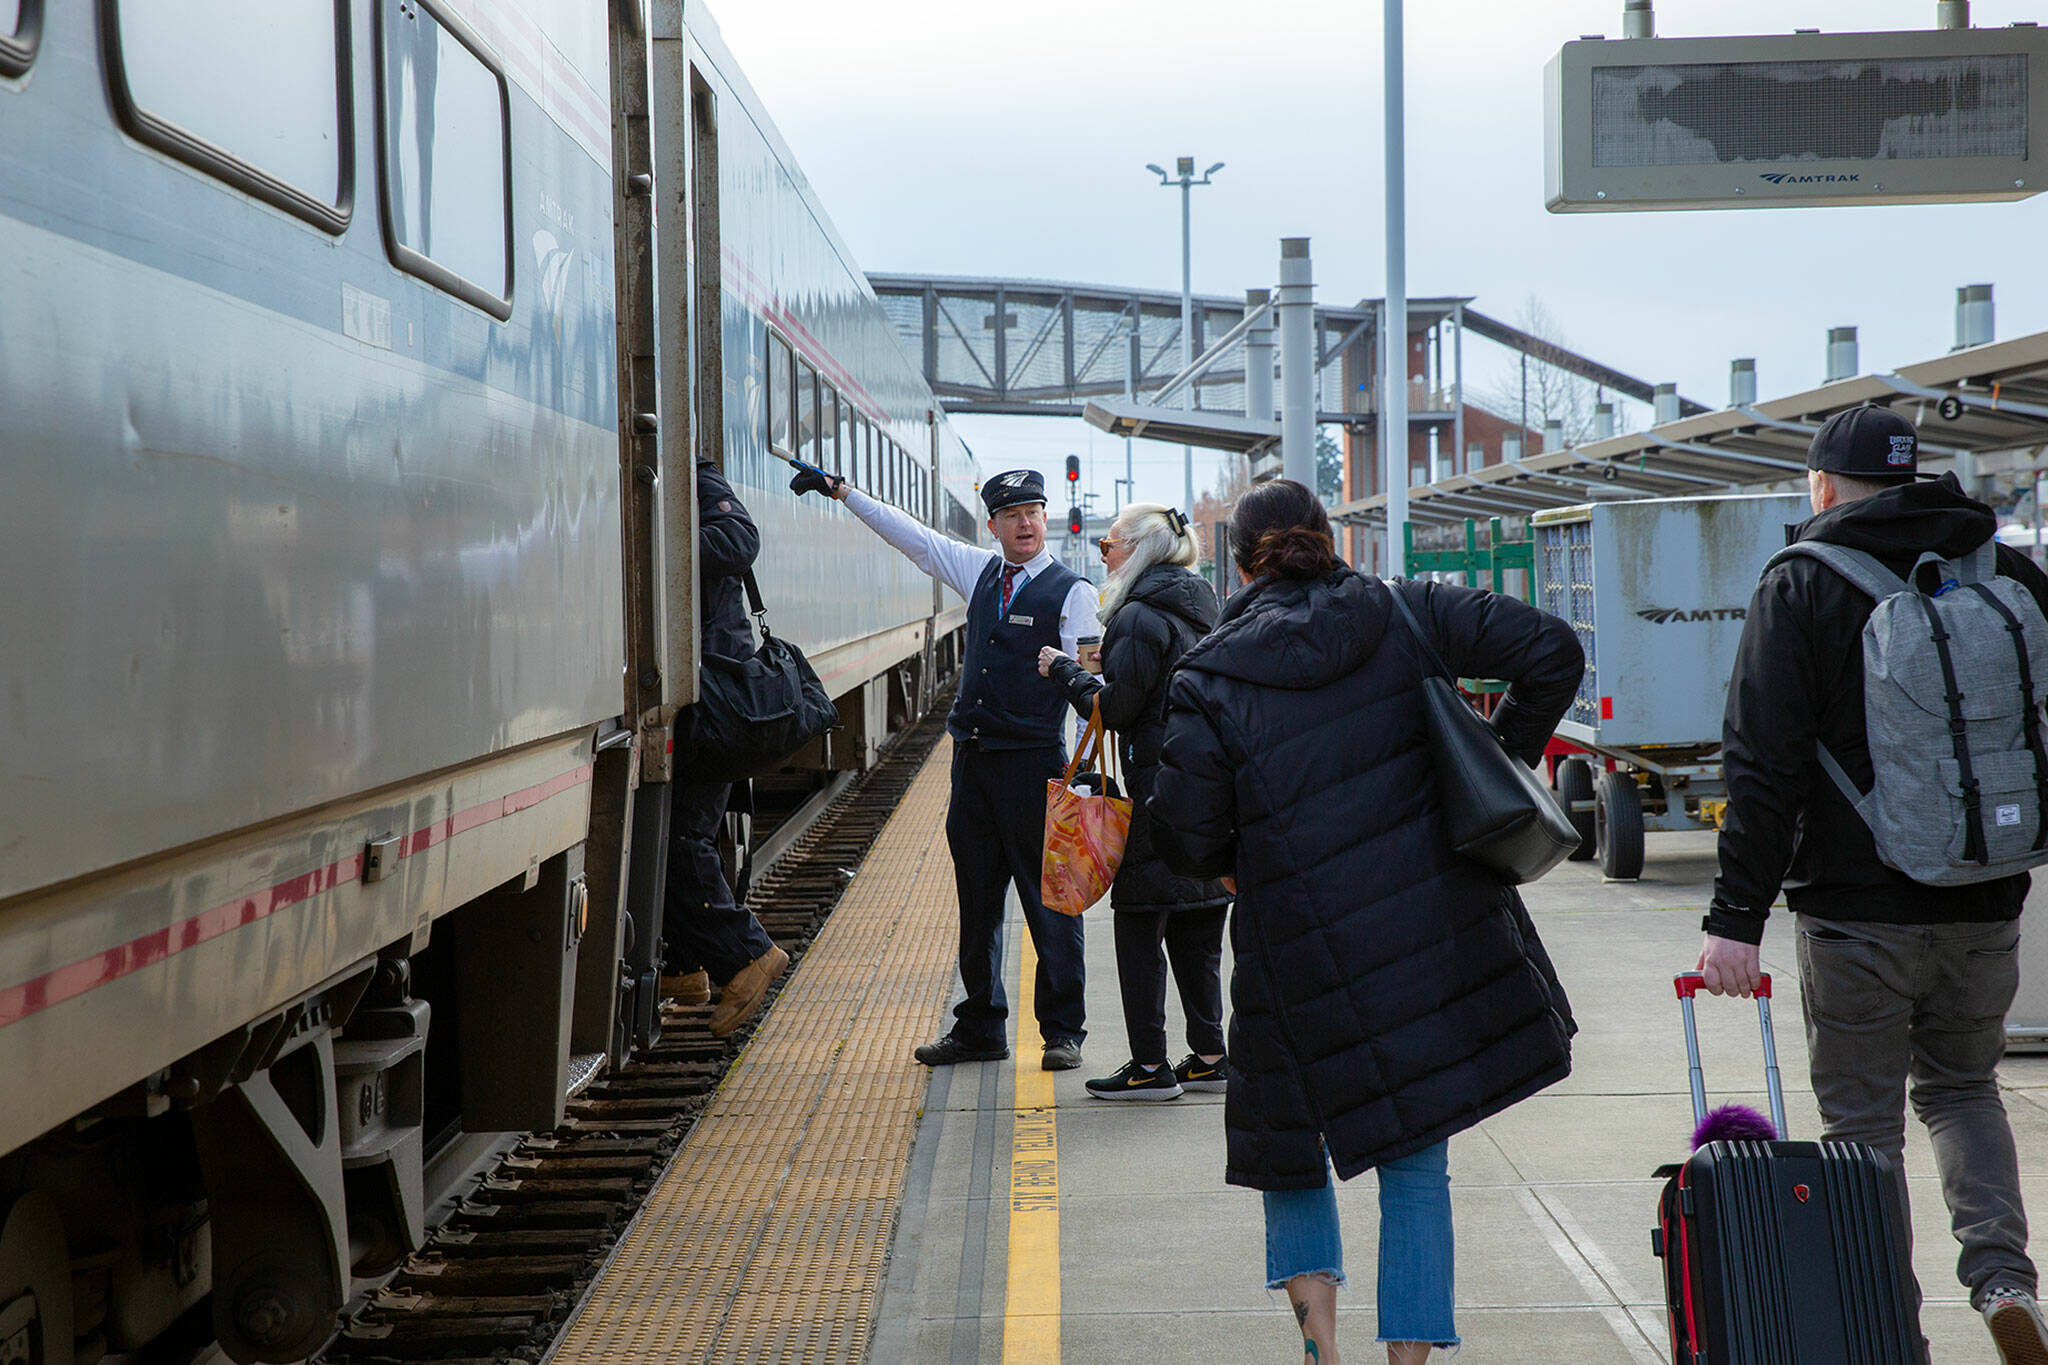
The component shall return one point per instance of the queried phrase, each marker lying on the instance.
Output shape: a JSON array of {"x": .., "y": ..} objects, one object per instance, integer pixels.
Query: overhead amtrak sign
[{"x": 1943, "y": 116}]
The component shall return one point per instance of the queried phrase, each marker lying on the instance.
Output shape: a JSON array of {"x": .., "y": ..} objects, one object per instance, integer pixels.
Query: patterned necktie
[{"x": 1010, "y": 572}]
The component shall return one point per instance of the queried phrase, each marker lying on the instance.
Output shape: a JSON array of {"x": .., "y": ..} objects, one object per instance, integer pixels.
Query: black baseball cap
[
  {"x": 1869, "y": 442},
  {"x": 1013, "y": 489}
]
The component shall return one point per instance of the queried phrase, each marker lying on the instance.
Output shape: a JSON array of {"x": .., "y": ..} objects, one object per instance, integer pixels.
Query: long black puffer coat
[
  {"x": 1166, "y": 611},
  {"x": 1387, "y": 992}
]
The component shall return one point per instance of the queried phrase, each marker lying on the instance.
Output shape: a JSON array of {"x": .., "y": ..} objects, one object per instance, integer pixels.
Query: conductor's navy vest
[{"x": 1003, "y": 703}]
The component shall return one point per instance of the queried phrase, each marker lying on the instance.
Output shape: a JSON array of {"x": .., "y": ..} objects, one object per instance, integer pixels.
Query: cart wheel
[
  {"x": 1575, "y": 784},
  {"x": 1618, "y": 826}
]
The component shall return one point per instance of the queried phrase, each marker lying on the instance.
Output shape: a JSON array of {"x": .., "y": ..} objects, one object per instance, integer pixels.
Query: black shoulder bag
[
  {"x": 752, "y": 713},
  {"x": 1499, "y": 813}
]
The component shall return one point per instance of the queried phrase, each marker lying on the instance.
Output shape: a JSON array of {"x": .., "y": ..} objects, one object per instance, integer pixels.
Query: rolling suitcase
[{"x": 1781, "y": 1253}]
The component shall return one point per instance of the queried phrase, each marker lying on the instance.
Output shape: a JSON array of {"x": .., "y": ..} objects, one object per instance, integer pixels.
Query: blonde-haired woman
[{"x": 1153, "y": 609}]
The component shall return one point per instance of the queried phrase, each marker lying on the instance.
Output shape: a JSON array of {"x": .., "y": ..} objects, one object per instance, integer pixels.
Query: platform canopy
[{"x": 1975, "y": 401}]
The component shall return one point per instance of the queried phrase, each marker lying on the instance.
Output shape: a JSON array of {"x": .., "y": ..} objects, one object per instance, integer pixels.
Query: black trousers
[
  {"x": 701, "y": 926},
  {"x": 995, "y": 827},
  {"x": 1193, "y": 939}
]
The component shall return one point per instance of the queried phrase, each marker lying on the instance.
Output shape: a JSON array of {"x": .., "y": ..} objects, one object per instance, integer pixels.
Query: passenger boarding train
[{"x": 354, "y": 358}]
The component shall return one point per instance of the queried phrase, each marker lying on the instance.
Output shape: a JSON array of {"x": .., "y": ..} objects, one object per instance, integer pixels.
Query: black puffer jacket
[
  {"x": 1166, "y": 611},
  {"x": 727, "y": 544},
  {"x": 1799, "y": 678},
  {"x": 1387, "y": 992}
]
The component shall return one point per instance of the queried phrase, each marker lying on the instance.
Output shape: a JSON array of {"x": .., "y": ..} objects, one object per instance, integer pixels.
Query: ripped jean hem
[
  {"x": 1450, "y": 1348},
  {"x": 1336, "y": 1277}
]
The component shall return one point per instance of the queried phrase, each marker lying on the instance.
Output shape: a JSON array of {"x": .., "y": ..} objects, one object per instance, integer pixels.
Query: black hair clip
[{"x": 1178, "y": 522}]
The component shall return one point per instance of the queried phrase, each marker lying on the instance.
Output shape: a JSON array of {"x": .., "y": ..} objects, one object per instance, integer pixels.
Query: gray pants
[{"x": 1889, "y": 1003}]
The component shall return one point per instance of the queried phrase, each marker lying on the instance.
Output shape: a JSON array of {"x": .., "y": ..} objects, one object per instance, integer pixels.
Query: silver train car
[{"x": 354, "y": 358}]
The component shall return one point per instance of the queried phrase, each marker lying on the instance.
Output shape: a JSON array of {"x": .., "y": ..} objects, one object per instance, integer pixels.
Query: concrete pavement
[{"x": 1160, "y": 1260}]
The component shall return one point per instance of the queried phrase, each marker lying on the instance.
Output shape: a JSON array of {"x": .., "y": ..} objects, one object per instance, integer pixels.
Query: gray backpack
[{"x": 1952, "y": 684}]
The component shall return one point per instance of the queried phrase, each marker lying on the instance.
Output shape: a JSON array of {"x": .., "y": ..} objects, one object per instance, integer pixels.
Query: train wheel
[
  {"x": 35, "y": 1283},
  {"x": 1618, "y": 826},
  {"x": 1574, "y": 789}
]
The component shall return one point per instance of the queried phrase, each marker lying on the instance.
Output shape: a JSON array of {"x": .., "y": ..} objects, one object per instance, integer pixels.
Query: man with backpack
[{"x": 1884, "y": 757}]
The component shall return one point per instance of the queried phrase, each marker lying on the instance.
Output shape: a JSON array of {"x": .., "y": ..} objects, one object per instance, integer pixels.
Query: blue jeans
[{"x": 1416, "y": 1253}]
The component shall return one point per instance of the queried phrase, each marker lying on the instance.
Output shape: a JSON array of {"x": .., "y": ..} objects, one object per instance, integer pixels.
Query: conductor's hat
[{"x": 1013, "y": 489}]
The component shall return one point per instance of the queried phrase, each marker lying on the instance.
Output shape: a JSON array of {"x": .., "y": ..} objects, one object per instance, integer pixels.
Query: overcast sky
[{"x": 984, "y": 139}]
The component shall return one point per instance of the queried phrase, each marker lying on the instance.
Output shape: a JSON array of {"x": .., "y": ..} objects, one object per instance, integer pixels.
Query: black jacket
[
  {"x": 727, "y": 545},
  {"x": 1799, "y": 677},
  {"x": 1387, "y": 993},
  {"x": 1166, "y": 611}
]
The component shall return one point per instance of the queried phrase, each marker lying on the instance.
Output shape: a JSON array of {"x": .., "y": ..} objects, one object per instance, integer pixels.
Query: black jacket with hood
[
  {"x": 1798, "y": 678},
  {"x": 1387, "y": 993},
  {"x": 727, "y": 544},
  {"x": 1159, "y": 620}
]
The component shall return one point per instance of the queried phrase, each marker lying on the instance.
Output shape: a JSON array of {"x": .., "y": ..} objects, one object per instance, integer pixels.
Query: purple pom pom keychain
[{"x": 1733, "y": 1123}]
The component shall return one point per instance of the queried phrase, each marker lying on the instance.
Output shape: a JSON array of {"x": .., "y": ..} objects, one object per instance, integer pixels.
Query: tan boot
[
  {"x": 740, "y": 998},
  {"x": 691, "y": 988}
]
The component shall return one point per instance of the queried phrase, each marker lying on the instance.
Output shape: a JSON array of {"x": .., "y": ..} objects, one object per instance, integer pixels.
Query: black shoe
[
  {"x": 1062, "y": 1056},
  {"x": 949, "y": 1050},
  {"x": 1134, "y": 1082},
  {"x": 1195, "y": 1074}
]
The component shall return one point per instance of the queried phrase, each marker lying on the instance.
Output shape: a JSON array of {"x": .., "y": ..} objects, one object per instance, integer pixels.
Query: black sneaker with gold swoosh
[
  {"x": 1134, "y": 1082},
  {"x": 1195, "y": 1074}
]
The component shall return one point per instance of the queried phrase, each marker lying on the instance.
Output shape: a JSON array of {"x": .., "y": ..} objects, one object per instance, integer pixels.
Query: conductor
[{"x": 1005, "y": 725}]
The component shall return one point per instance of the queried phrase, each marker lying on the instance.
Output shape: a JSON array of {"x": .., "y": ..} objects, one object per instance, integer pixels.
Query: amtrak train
[{"x": 354, "y": 358}]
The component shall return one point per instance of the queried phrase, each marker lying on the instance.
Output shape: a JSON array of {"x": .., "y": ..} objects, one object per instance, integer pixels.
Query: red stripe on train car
[{"x": 74, "y": 979}]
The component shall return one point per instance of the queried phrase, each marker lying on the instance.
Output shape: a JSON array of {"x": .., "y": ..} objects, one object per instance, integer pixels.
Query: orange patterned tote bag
[{"x": 1085, "y": 829}]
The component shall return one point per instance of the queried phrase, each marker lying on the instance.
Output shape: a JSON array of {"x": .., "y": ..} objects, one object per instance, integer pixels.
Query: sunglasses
[{"x": 1104, "y": 545}]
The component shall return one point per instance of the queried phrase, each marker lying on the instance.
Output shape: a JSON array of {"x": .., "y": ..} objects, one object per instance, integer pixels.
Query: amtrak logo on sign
[
  {"x": 1664, "y": 616},
  {"x": 1780, "y": 178}
]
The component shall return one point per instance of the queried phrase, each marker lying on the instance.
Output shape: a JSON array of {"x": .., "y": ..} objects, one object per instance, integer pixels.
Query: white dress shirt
[{"x": 959, "y": 565}]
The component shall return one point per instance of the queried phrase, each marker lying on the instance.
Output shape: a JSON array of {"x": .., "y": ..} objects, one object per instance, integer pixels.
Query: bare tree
[{"x": 1539, "y": 393}]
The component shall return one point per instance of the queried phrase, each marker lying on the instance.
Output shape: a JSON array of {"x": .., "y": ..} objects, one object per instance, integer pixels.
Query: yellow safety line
[{"x": 1031, "y": 1303}]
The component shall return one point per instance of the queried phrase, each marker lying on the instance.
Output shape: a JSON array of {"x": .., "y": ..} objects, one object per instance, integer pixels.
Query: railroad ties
[{"x": 497, "y": 1281}]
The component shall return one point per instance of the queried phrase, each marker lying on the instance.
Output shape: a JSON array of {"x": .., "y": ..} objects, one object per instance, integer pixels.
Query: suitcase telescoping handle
[{"x": 1690, "y": 984}]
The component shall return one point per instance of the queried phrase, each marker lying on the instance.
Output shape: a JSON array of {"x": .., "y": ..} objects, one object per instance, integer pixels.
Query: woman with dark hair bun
[{"x": 1386, "y": 993}]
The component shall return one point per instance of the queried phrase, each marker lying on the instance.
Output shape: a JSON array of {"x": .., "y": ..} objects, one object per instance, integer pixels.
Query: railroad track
[{"x": 498, "y": 1279}]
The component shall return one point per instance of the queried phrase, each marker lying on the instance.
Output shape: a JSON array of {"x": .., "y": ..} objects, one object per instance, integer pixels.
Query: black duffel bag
[
  {"x": 752, "y": 713},
  {"x": 1497, "y": 811}
]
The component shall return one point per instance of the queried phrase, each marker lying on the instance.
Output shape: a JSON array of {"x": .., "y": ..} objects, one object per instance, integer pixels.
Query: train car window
[
  {"x": 21, "y": 23},
  {"x": 444, "y": 138},
  {"x": 857, "y": 435},
  {"x": 830, "y": 425},
  {"x": 806, "y": 412},
  {"x": 846, "y": 435},
  {"x": 867, "y": 457},
  {"x": 779, "y": 396},
  {"x": 254, "y": 93}
]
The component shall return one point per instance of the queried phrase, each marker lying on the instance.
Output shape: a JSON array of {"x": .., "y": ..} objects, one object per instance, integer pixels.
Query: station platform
[{"x": 838, "y": 1202}]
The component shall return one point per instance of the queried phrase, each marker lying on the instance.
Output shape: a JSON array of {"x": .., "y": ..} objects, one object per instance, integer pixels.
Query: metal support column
[
  {"x": 1187, "y": 315},
  {"x": 1258, "y": 355},
  {"x": 1458, "y": 448},
  {"x": 1297, "y": 372},
  {"x": 1394, "y": 412}
]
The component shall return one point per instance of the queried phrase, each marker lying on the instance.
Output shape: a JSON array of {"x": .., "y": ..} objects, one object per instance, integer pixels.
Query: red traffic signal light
[
  {"x": 1074, "y": 469},
  {"x": 1073, "y": 521}
]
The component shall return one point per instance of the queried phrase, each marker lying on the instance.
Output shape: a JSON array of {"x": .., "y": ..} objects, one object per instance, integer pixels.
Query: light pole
[{"x": 1184, "y": 177}]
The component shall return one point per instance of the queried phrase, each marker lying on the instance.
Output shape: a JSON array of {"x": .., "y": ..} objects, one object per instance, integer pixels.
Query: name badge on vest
[{"x": 1017, "y": 619}]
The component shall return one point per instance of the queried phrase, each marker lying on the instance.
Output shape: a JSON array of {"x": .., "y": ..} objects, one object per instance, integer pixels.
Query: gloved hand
[{"x": 810, "y": 480}]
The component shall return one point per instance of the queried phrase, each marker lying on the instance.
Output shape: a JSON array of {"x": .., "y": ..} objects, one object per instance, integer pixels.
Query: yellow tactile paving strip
[{"x": 765, "y": 1239}]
